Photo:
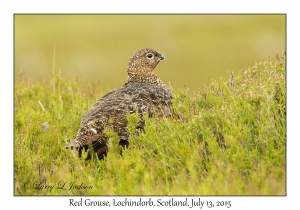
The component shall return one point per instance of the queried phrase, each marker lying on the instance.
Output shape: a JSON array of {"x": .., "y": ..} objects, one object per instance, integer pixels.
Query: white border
[{"x": 8, "y": 8}]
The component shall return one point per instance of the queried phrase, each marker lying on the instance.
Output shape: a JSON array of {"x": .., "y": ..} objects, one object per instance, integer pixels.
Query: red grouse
[{"x": 143, "y": 92}]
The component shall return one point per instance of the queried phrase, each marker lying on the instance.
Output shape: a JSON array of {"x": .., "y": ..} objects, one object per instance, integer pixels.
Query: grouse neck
[{"x": 148, "y": 78}]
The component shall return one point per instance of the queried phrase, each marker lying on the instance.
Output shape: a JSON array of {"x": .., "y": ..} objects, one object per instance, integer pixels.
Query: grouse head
[{"x": 141, "y": 65}]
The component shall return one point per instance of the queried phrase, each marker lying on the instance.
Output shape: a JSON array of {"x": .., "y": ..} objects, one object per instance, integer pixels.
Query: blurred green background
[{"x": 198, "y": 48}]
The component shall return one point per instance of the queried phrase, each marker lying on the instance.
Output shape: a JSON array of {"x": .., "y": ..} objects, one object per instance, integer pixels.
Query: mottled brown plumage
[{"x": 143, "y": 92}]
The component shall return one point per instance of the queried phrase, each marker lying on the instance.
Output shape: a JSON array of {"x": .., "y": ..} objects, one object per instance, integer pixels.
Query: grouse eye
[{"x": 150, "y": 55}]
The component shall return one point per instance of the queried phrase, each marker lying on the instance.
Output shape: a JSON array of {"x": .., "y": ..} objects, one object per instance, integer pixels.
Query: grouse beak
[{"x": 161, "y": 57}]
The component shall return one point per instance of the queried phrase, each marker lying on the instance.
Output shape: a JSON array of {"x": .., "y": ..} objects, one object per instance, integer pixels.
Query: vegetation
[{"x": 228, "y": 139}]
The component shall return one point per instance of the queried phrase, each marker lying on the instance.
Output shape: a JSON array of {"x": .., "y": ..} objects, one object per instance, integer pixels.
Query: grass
[{"x": 229, "y": 139}]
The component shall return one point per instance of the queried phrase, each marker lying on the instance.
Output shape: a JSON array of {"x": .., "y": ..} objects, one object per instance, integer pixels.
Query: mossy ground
[{"x": 228, "y": 139}]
